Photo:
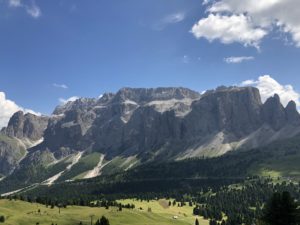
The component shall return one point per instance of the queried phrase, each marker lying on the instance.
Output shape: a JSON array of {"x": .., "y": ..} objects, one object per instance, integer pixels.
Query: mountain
[
  {"x": 119, "y": 131},
  {"x": 22, "y": 132}
]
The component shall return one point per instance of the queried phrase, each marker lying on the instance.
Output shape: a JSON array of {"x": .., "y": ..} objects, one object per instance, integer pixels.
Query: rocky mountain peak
[
  {"x": 105, "y": 98},
  {"x": 144, "y": 95},
  {"x": 274, "y": 112},
  {"x": 26, "y": 126},
  {"x": 14, "y": 125},
  {"x": 292, "y": 113},
  {"x": 80, "y": 103},
  {"x": 227, "y": 109}
]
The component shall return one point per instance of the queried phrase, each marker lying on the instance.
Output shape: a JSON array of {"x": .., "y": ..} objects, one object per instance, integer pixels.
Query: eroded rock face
[
  {"x": 142, "y": 121},
  {"x": 274, "y": 113},
  {"x": 11, "y": 152},
  {"x": 116, "y": 121},
  {"x": 234, "y": 110},
  {"x": 292, "y": 114},
  {"x": 22, "y": 132},
  {"x": 26, "y": 126}
]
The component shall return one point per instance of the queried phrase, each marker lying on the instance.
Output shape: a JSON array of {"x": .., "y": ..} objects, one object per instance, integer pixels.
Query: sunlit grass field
[{"x": 23, "y": 213}]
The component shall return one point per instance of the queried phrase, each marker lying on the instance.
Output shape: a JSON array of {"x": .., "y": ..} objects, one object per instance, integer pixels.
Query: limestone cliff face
[
  {"x": 28, "y": 126},
  {"x": 167, "y": 121},
  {"x": 233, "y": 110},
  {"x": 127, "y": 121}
]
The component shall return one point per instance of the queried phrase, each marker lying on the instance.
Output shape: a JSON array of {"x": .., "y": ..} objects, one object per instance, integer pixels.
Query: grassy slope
[
  {"x": 282, "y": 162},
  {"x": 23, "y": 213},
  {"x": 85, "y": 164},
  {"x": 119, "y": 164},
  {"x": 288, "y": 166},
  {"x": 89, "y": 162},
  {"x": 161, "y": 208}
]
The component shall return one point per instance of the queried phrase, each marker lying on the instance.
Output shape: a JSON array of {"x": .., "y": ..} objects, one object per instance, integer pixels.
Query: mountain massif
[{"x": 120, "y": 131}]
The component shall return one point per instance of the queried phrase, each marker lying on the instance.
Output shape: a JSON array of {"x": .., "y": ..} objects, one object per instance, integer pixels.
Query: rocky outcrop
[
  {"x": 292, "y": 114},
  {"x": 234, "y": 110},
  {"x": 24, "y": 126},
  {"x": 23, "y": 131},
  {"x": 11, "y": 152}
]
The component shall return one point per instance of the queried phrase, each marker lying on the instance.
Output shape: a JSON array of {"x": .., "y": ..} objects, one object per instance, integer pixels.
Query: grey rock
[
  {"x": 273, "y": 113},
  {"x": 26, "y": 126},
  {"x": 292, "y": 114}
]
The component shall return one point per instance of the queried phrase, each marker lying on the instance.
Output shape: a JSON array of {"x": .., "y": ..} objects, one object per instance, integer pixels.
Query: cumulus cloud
[
  {"x": 238, "y": 59},
  {"x": 32, "y": 9},
  {"x": 8, "y": 108},
  {"x": 169, "y": 19},
  {"x": 63, "y": 86},
  {"x": 269, "y": 86},
  {"x": 63, "y": 101},
  {"x": 259, "y": 16},
  {"x": 229, "y": 29}
]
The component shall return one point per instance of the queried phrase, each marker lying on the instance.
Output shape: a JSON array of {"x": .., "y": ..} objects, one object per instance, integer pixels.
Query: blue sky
[{"x": 99, "y": 46}]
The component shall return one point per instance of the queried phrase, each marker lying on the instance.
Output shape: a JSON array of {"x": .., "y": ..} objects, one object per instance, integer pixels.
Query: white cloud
[
  {"x": 174, "y": 18},
  {"x": 265, "y": 15},
  {"x": 238, "y": 59},
  {"x": 269, "y": 86},
  {"x": 63, "y": 86},
  {"x": 15, "y": 3},
  {"x": 205, "y": 2},
  {"x": 8, "y": 108},
  {"x": 169, "y": 19},
  {"x": 228, "y": 29},
  {"x": 32, "y": 9},
  {"x": 71, "y": 99}
]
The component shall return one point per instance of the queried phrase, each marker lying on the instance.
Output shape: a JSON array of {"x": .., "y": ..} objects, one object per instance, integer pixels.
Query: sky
[{"x": 51, "y": 51}]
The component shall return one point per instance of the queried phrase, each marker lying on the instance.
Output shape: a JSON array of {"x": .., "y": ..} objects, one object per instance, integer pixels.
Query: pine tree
[
  {"x": 281, "y": 210},
  {"x": 2, "y": 219},
  {"x": 102, "y": 221}
]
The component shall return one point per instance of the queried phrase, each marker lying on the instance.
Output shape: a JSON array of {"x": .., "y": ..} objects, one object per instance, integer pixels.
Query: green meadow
[{"x": 145, "y": 213}]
